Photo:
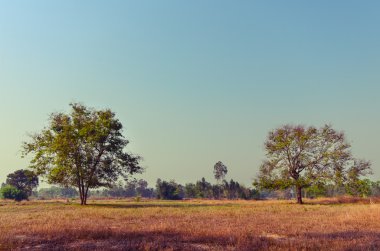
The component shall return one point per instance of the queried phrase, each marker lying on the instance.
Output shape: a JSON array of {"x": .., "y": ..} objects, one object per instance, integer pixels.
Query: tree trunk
[
  {"x": 299, "y": 194},
  {"x": 81, "y": 197},
  {"x": 83, "y": 200},
  {"x": 85, "y": 196},
  {"x": 82, "y": 194}
]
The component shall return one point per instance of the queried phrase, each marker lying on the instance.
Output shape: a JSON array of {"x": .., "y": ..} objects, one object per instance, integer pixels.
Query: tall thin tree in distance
[{"x": 220, "y": 171}]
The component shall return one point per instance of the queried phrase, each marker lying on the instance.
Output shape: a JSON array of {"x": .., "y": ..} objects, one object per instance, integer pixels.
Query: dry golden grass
[{"x": 190, "y": 225}]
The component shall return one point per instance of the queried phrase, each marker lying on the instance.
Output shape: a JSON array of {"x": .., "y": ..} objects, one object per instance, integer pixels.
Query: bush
[{"x": 10, "y": 192}]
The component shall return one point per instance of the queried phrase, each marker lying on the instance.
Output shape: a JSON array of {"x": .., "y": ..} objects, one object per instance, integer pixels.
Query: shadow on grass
[
  {"x": 122, "y": 239},
  {"x": 341, "y": 200},
  {"x": 346, "y": 235},
  {"x": 156, "y": 205},
  {"x": 360, "y": 240},
  {"x": 111, "y": 239}
]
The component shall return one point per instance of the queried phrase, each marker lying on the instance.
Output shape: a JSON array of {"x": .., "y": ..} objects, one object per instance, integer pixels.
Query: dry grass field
[{"x": 190, "y": 225}]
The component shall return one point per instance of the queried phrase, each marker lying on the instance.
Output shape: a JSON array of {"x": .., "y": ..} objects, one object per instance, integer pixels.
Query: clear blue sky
[{"x": 193, "y": 82}]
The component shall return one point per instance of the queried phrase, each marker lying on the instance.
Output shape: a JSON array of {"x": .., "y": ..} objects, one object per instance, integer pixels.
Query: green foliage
[
  {"x": 169, "y": 190},
  {"x": 121, "y": 190},
  {"x": 84, "y": 148},
  {"x": 316, "y": 190},
  {"x": 203, "y": 189},
  {"x": 375, "y": 188},
  {"x": 54, "y": 192},
  {"x": 23, "y": 180},
  {"x": 132, "y": 188},
  {"x": 303, "y": 157},
  {"x": 359, "y": 187},
  {"x": 229, "y": 190},
  {"x": 12, "y": 193}
]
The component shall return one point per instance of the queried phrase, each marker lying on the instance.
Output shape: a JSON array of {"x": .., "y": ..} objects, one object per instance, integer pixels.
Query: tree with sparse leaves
[
  {"x": 299, "y": 156},
  {"x": 220, "y": 171},
  {"x": 83, "y": 149}
]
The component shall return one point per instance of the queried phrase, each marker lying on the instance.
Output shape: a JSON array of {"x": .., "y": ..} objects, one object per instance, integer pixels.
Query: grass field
[{"x": 190, "y": 225}]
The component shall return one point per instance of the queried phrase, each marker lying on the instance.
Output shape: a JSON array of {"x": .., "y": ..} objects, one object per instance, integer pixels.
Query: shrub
[{"x": 10, "y": 192}]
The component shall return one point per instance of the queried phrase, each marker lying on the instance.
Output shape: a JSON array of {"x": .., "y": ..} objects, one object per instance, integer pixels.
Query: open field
[{"x": 190, "y": 225}]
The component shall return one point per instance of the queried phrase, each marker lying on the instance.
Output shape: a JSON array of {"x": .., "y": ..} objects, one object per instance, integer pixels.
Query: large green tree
[
  {"x": 84, "y": 148},
  {"x": 299, "y": 156}
]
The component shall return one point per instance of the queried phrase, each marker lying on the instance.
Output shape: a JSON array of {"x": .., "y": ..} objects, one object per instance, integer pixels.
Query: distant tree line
[
  {"x": 55, "y": 192},
  {"x": 131, "y": 188},
  {"x": 361, "y": 188},
  {"x": 202, "y": 189},
  {"x": 22, "y": 184}
]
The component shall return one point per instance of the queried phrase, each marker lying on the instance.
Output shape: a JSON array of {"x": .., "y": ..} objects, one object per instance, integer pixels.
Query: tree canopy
[
  {"x": 84, "y": 148},
  {"x": 23, "y": 180},
  {"x": 220, "y": 171},
  {"x": 302, "y": 156}
]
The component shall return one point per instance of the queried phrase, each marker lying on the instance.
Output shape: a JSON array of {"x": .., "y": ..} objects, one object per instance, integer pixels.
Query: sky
[{"x": 193, "y": 82}]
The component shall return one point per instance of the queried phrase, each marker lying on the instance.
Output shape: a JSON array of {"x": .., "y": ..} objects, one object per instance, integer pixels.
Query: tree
[
  {"x": 83, "y": 149},
  {"x": 220, "y": 171},
  {"x": 11, "y": 192},
  {"x": 190, "y": 190},
  {"x": 169, "y": 190},
  {"x": 375, "y": 188},
  {"x": 299, "y": 157},
  {"x": 23, "y": 180},
  {"x": 359, "y": 187},
  {"x": 232, "y": 189},
  {"x": 143, "y": 190},
  {"x": 203, "y": 189}
]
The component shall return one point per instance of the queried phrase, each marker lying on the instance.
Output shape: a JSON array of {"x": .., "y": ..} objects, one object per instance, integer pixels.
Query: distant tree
[
  {"x": 299, "y": 156},
  {"x": 220, "y": 171},
  {"x": 203, "y": 189},
  {"x": 230, "y": 190},
  {"x": 119, "y": 190},
  {"x": 23, "y": 180},
  {"x": 11, "y": 192},
  {"x": 84, "y": 149},
  {"x": 130, "y": 188},
  {"x": 143, "y": 190},
  {"x": 233, "y": 190},
  {"x": 217, "y": 191},
  {"x": 57, "y": 192},
  {"x": 190, "y": 190},
  {"x": 359, "y": 187},
  {"x": 375, "y": 188},
  {"x": 318, "y": 189},
  {"x": 169, "y": 190},
  {"x": 52, "y": 192}
]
